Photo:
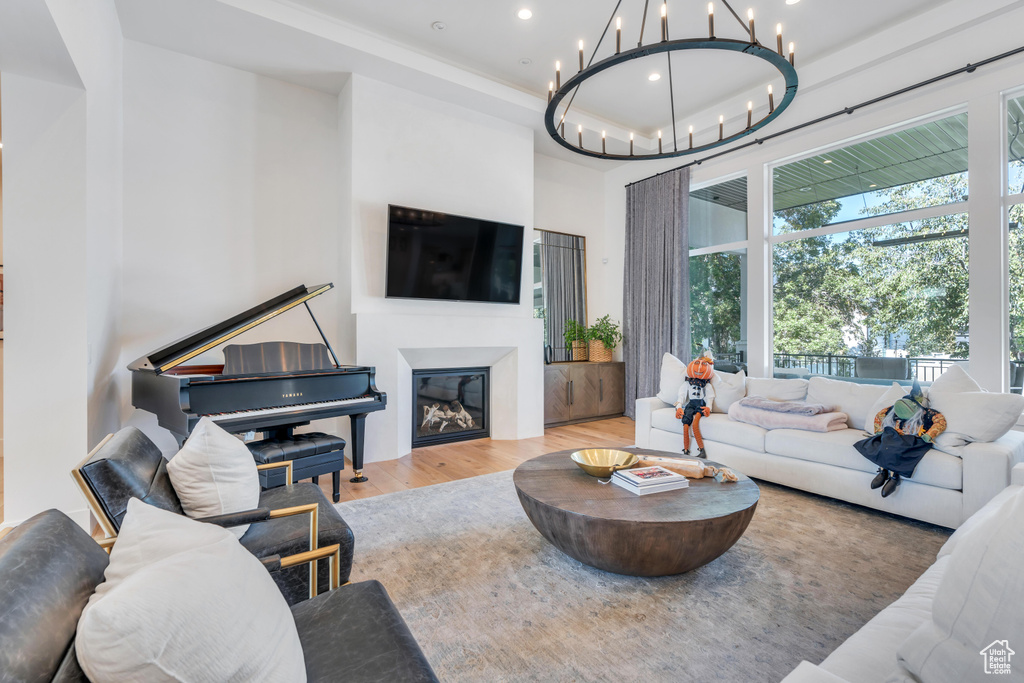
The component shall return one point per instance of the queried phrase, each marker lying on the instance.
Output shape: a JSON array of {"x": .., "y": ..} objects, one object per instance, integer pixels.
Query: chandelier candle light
[{"x": 556, "y": 113}]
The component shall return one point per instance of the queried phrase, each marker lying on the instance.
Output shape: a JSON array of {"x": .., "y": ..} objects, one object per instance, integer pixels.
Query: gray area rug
[{"x": 490, "y": 600}]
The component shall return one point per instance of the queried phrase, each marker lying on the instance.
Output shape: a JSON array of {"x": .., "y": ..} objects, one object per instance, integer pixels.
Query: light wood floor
[{"x": 448, "y": 462}]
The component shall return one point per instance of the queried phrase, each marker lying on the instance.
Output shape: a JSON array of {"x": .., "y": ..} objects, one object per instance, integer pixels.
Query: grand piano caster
[{"x": 269, "y": 387}]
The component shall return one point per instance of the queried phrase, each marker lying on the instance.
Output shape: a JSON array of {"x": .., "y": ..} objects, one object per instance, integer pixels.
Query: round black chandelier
[{"x": 554, "y": 120}]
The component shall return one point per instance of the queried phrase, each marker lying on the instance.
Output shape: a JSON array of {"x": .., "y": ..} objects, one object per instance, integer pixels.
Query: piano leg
[{"x": 358, "y": 423}]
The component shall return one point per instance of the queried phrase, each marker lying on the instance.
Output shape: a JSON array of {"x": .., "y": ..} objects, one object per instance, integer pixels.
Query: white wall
[
  {"x": 904, "y": 55},
  {"x": 45, "y": 383},
  {"x": 230, "y": 198},
  {"x": 415, "y": 151},
  {"x": 570, "y": 198}
]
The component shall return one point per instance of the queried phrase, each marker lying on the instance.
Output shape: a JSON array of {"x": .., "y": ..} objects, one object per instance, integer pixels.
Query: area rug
[{"x": 490, "y": 600}]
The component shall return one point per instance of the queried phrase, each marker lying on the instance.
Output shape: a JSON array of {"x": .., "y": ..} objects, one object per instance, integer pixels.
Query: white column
[
  {"x": 989, "y": 298},
  {"x": 759, "y": 274}
]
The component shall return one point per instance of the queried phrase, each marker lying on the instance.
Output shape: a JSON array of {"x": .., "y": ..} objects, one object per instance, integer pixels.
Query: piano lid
[{"x": 195, "y": 344}]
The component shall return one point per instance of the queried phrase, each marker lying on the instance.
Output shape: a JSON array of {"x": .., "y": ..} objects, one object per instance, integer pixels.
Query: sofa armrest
[
  {"x": 1017, "y": 475},
  {"x": 644, "y": 408},
  {"x": 231, "y": 519},
  {"x": 809, "y": 673},
  {"x": 987, "y": 467}
]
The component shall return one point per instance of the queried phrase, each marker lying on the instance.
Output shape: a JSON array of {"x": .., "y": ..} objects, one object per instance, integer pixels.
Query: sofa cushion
[
  {"x": 886, "y": 400},
  {"x": 215, "y": 474},
  {"x": 729, "y": 388},
  {"x": 836, "y": 448},
  {"x": 673, "y": 374},
  {"x": 777, "y": 389},
  {"x": 977, "y": 605},
  {"x": 869, "y": 655},
  {"x": 991, "y": 509},
  {"x": 182, "y": 600},
  {"x": 715, "y": 427},
  {"x": 851, "y": 398}
]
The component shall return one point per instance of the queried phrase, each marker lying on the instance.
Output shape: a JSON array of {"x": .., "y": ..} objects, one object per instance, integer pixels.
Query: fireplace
[{"x": 450, "y": 404}]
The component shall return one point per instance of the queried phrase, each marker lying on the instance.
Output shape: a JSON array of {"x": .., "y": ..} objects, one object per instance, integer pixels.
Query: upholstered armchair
[
  {"x": 129, "y": 465},
  {"x": 49, "y": 568}
]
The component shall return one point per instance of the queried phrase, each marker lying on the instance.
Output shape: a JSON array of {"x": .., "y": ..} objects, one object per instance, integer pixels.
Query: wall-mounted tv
[{"x": 434, "y": 255}]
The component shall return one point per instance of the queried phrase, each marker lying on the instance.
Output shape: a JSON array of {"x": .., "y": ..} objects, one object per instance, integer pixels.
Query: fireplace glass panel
[{"x": 450, "y": 405}]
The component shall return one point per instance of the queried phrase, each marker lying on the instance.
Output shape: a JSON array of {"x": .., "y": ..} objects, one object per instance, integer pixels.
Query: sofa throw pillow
[
  {"x": 214, "y": 474},
  {"x": 887, "y": 399},
  {"x": 849, "y": 397},
  {"x": 729, "y": 388},
  {"x": 673, "y": 373},
  {"x": 777, "y": 389},
  {"x": 184, "y": 601},
  {"x": 977, "y": 605},
  {"x": 971, "y": 414}
]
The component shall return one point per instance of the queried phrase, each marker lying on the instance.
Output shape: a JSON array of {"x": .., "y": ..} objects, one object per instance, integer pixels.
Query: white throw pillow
[
  {"x": 977, "y": 604},
  {"x": 777, "y": 389},
  {"x": 214, "y": 474},
  {"x": 729, "y": 388},
  {"x": 971, "y": 414},
  {"x": 887, "y": 399},
  {"x": 184, "y": 601},
  {"x": 673, "y": 374},
  {"x": 849, "y": 397}
]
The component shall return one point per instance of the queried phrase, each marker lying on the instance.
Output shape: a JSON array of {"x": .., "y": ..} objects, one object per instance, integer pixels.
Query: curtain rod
[{"x": 970, "y": 68}]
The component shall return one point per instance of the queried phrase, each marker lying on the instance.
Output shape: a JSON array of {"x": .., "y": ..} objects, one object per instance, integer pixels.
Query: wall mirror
[{"x": 559, "y": 288}]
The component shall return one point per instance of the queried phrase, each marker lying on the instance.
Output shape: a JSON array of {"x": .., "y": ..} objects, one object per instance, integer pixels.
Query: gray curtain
[
  {"x": 563, "y": 277},
  {"x": 656, "y": 296}
]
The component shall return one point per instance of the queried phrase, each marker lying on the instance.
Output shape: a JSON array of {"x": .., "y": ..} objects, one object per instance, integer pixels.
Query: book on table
[{"x": 645, "y": 480}]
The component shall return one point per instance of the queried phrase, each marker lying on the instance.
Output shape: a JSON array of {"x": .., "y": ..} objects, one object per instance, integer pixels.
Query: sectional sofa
[
  {"x": 943, "y": 627},
  {"x": 948, "y": 486}
]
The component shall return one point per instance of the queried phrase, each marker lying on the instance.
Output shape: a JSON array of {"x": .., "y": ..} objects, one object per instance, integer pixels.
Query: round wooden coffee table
[{"x": 608, "y": 527}]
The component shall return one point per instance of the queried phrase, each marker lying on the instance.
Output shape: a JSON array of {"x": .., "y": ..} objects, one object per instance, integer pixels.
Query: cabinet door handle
[
  {"x": 568, "y": 393},
  {"x": 572, "y": 394},
  {"x": 600, "y": 389}
]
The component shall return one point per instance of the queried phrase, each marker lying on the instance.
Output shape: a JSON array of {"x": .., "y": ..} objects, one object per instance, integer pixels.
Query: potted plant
[
  {"x": 576, "y": 339},
  {"x": 604, "y": 336}
]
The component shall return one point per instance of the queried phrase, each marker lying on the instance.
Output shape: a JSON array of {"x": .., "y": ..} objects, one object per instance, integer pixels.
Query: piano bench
[{"x": 311, "y": 454}]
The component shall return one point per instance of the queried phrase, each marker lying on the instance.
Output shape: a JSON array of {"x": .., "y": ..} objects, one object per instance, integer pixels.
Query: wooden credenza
[{"x": 577, "y": 392}]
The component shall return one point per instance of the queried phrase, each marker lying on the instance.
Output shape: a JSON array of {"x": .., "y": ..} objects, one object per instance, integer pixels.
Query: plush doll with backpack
[{"x": 695, "y": 399}]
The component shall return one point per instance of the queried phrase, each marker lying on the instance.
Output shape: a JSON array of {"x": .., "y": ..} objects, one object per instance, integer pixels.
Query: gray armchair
[
  {"x": 128, "y": 465},
  {"x": 49, "y": 567}
]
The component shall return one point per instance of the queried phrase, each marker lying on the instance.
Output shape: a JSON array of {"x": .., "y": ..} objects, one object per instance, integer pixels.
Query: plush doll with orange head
[{"x": 695, "y": 399}]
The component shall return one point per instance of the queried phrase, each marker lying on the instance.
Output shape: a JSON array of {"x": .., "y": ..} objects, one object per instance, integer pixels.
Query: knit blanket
[
  {"x": 771, "y": 419},
  {"x": 794, "y": 407}
]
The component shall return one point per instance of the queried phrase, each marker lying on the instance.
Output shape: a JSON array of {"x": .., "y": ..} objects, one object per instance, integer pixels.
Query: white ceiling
[{"x": 488, "y": 38}]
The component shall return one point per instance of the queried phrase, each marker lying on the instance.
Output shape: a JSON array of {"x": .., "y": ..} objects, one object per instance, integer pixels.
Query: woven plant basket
[
  {"x": 579, "y": 350},
  {"x": 599, "y": 353}
]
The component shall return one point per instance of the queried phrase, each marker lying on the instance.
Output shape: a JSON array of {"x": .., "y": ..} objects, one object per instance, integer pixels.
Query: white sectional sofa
[
  {"x": 946, "y": 489},
  {"x": 882, "y": 650}
]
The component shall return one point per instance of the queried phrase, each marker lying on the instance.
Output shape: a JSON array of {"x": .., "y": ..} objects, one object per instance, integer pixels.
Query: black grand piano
[{"x": 271, "y": 387}]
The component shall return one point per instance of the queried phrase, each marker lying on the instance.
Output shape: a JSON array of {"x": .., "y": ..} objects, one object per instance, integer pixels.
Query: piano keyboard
[{"x": 317, "y": 405}]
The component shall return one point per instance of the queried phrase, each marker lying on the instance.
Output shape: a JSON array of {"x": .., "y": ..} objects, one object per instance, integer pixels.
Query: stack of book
[{"x": 644, "y": 480}]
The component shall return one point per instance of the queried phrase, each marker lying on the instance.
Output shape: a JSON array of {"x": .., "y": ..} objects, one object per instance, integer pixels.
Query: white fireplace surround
[{"x": 396, "y": 345}]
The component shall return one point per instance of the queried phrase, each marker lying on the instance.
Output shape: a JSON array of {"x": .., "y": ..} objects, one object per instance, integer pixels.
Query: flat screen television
[{"x": 434, "y": 255}]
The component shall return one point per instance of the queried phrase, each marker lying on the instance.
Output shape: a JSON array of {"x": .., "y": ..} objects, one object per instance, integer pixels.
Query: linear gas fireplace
[{"x": 450, "y": 404}]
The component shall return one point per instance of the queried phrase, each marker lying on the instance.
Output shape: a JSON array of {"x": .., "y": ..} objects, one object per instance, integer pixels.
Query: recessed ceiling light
[
  {"x": 654, "y": 76},
  {"x": 873, "y": 185},
  {"x": 525, "y": 61},
  {"x": 439, "y": 26},
  {"x": 827, "y": 161},
  {"x": 524, "y": 14},
  {"x": 792, "y": 2}
]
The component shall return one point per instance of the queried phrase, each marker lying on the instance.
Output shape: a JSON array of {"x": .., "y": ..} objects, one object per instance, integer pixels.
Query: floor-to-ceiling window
[
  {"x": 870, "y": 258},
  {"x": 1015, "y": 237},
  {"x": 718, "y": 266}
]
